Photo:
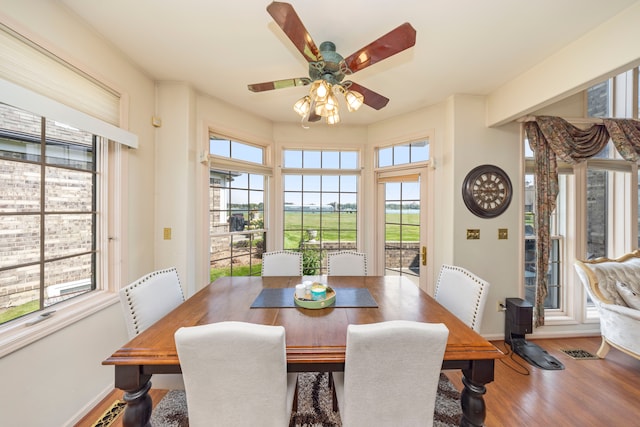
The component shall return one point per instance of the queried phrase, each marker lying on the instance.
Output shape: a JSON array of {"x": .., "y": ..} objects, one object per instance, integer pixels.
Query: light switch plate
[
  {"x": 473, "y": 234},
  {"x": 503, "y": 233}
]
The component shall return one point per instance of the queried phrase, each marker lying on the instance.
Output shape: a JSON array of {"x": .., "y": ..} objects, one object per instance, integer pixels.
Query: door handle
[{"x": 424, "y": 255}]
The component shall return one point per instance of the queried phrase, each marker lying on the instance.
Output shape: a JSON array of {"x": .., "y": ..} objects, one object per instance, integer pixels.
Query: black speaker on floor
[
  {"x": 518, "y": 319},
  {"x": 517, "y": 323}
]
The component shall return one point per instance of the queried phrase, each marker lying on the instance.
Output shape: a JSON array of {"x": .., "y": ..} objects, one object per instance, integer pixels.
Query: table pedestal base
[
  {"x": 473, "y": 407},
  {"x": 139, "y": 407}
]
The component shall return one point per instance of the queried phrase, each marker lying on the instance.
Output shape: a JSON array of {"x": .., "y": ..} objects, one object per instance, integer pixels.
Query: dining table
[{"x": 315, "y": 337}]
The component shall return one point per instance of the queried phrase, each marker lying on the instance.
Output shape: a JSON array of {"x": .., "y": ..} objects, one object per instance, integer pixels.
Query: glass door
[{"x": 402, "y": 224}]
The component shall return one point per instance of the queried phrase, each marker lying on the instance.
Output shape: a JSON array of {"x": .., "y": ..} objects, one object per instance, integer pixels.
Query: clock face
[{"x": 486, "y": 191}]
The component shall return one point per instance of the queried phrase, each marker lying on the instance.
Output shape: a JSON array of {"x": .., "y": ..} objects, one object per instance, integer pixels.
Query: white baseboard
[{"x": 544, "y": 334}]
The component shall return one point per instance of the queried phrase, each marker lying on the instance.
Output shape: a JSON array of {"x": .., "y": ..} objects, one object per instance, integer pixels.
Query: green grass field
[
  {"x": 15, "y": 312},
  {"x": 342, "y": 226}
]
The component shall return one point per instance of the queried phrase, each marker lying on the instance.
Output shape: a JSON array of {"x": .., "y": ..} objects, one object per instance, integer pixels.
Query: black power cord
[{"x": 520, "y": 368}]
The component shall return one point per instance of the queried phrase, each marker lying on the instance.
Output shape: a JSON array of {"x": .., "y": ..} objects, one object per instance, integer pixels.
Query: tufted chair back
[
  {"x": 391, "y": 373},
  {"x": 150, "y": 298},
  {"x": 462, "y": 293},
  {"x": 235, "y": 374},
  {"x": 600, "y": 276},
  {"x": 282, "y": 263},
  {"x": 619, "y": 313},
  {"x": 346, "y": 263}
]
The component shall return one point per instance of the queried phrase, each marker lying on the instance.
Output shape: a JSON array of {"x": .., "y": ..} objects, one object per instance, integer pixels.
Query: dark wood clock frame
[{"x": 487, "y": 191}]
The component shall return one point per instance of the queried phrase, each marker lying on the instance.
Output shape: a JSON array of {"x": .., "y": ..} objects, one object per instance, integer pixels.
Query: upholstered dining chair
[
  {"x": 346, "y": 263},
  {"x": 235, "y": 374},
  {"x": 146, "y": 301},
  {"x": 462, "y": 293},
  {"x": 282, "y": 263},
  {"x": 391, "y": 374}
]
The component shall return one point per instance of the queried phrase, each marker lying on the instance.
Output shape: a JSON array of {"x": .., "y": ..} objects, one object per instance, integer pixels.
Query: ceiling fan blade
[
  {"x": 371, "y": 98},
  {"x": 287, "y": 18},
  {"x": 395, "y": 41},
  {"x": 279, "y": 84}
]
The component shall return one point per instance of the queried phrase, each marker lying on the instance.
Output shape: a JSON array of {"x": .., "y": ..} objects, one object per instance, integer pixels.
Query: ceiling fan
[{"x": 327, "y": 68}]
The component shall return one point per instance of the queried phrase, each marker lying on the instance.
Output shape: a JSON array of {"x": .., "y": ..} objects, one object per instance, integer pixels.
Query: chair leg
[
  {"x": 604, "y": 349},
  {"x": 332, "y": 388},
  {"x": 295, "y": 397}
]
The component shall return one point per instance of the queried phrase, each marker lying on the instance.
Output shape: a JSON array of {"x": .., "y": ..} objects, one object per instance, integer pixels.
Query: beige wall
[
  {"x": 603, "y": 52},
  {"x": 60, "y": 376},
  {"x": 56, "y": 379}
]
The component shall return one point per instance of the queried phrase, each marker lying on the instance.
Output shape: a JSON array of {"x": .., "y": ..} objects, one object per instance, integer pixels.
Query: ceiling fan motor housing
[{"x": 330, "y": 68}]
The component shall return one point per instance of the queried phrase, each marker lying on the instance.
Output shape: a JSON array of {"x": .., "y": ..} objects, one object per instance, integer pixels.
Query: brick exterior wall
[{"x": 66, "y": 191}]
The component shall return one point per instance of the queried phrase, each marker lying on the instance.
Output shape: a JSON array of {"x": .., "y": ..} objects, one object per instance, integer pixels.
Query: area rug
[{"x": 315, "y": 408}]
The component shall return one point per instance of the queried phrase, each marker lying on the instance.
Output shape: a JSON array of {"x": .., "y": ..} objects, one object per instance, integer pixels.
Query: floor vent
[
  {"x": 110, "y": 414},
  {"x": 580, "y": 354}
]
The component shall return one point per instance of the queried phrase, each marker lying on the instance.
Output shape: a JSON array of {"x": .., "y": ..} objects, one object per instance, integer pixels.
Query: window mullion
[{"x": 43, "y": 153}]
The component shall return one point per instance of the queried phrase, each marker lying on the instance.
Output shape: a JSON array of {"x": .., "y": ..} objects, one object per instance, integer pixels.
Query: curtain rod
[{"x": 573, "y": 120}]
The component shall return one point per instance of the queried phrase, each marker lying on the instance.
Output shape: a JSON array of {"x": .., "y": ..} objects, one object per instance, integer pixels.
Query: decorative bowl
[{"x": 314, "y": 305}]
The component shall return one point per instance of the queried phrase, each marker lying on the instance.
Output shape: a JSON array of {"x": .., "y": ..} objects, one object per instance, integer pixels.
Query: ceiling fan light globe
[
  {"x": 302, "y": 106},
  {"x": 321, "y": 109},
  {"x": 333, "y": 118},
  {"x": 332, "y": 102},
  {"x": 354, "y": 100},
  {"x": 319, "y": 90}
]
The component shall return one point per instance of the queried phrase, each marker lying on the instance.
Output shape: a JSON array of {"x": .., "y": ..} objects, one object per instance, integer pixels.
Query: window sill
[
  {"x": 18, "y": 333},
  {"x": 559, "y": 320}
]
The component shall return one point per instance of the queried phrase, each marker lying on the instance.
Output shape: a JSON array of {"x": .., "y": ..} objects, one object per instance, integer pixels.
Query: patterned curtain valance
[{"x": 551, "y": 138}]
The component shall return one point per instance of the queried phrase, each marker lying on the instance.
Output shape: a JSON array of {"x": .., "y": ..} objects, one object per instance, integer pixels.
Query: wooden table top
[{"x": 312, "y": 336}]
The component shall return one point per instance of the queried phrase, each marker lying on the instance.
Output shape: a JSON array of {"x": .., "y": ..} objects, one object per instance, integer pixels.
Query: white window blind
[{"x": 38, "y": 81}]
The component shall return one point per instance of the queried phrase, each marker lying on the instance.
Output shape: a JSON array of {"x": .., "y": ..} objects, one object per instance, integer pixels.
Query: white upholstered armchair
[{"x": 614, "y": 288}]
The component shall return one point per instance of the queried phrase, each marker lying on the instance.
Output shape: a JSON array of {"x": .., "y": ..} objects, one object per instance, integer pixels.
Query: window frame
[
  {"x": 622, "y": 204},
  {"x": 315, "y": 171},
  {"x": 31, "y": 327},
  {"x": 230, "y": 165}
]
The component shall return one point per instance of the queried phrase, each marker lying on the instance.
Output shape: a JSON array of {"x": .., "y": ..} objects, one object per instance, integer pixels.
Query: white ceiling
[{"x": 462, "y": 46}]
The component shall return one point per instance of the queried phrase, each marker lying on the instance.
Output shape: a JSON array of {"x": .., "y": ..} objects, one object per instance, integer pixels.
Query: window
[
  {"x": 235, "y": 150},
  {"x": 592, "y": 217},
  {"x": 237, "y": 197},
  {"x": 554, "y": 277},
  {"x": 60, "y": 179},
  {"x": 320, "y": 204},
  {"x": 402, "y": 154},
  {"x": 48, "y": 194}
]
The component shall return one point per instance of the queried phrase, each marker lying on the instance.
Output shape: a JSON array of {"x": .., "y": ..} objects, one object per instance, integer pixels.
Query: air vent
[{"x": 579, "y": 354}]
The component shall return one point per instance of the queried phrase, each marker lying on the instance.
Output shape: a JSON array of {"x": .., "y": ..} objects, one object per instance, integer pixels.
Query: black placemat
[{"x": 283, "y": 298}]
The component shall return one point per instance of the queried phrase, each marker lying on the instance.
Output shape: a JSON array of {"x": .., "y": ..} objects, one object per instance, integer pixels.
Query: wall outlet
[{"x": 501, "y": 306}]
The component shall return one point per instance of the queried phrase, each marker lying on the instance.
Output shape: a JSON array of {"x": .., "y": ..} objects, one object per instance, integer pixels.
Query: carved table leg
[
  {"x": 139, "y": 406},
  {"x": 473, "y": 406},
  {"x": 474, "y": 378},
  {"x": 136, "y": 387}
]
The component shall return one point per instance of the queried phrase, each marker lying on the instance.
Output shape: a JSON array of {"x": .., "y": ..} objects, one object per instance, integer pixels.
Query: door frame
[{"x": 425, "y": 176}]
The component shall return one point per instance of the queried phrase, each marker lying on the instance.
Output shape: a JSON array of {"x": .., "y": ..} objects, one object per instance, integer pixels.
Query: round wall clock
[{"x": 486, "y": 191}]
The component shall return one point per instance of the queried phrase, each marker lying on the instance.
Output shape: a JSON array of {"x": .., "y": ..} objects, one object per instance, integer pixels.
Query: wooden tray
[{"x": 314, "y": 305}]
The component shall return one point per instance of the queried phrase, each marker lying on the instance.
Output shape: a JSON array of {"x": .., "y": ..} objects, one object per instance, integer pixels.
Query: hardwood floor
[
  {"x": 603, "y": 392},
  {"x": 586, "y": 393}
]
